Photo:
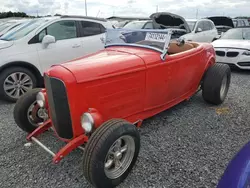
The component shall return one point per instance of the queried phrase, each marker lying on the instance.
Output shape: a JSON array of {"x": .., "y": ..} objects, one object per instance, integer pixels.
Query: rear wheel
[
  {"x": 111, "y": 153},
  {"x": 27, "y": 113},
  {"x": 216, "y": 83},
  {"x": 15, "y": 81}
]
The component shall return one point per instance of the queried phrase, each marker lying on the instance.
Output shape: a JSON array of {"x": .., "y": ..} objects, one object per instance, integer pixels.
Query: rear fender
[{"x": 210, "y": 62}]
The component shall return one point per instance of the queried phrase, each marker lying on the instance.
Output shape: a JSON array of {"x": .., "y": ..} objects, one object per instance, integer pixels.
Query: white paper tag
[{"x": 157, "y": 37}]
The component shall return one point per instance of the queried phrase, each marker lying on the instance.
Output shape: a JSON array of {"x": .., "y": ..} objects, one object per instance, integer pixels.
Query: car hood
[
  {"x": 109, "y": 62},
  {"x": 222, "y": 21},
  {"x": 226, "y": 43},
  {"x": 5, "y": 44},
  {"x": 169, "y": 20}
]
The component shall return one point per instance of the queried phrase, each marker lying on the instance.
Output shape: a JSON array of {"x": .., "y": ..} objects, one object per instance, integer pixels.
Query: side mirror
[
  {"x": 48, "y": 39},
  {"x": 198, "y": 30}
]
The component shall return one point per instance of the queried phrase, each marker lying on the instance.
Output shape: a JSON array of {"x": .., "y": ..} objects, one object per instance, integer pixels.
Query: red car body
[{"x": 131, "y": 83}]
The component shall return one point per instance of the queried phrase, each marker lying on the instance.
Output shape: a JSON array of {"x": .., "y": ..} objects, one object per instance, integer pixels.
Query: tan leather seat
[{"x": 174, "y": 48}]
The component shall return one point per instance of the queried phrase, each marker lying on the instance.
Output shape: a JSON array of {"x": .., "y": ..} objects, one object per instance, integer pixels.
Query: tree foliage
[{"x": 12, "y": 14}]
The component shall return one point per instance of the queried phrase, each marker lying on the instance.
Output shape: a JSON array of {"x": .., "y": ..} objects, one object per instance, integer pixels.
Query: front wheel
[
  {"x": 27, "y": 113},
  {"x": 216, "y": 83},
  {"x": 111, "y": 153}
]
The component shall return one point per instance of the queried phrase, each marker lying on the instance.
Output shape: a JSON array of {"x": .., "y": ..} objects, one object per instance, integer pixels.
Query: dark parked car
[{"x": 222, "y": 23}]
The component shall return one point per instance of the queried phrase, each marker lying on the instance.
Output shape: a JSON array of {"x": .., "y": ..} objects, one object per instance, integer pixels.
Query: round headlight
[
  {"x": 40, "y": 99},
  {"x": 87, "y": 122}
]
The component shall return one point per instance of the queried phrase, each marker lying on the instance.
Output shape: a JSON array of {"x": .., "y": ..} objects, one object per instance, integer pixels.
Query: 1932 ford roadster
[{"x": 98, "y": 101}]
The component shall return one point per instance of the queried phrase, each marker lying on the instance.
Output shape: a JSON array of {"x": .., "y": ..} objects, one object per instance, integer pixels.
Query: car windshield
[
  {"x": 191, "y": 24},
  {"x": 22, "y": 30},
  {"x": 135, "y": 25},
  {"x": 153, "y": 39},
  {"x": 237, "y": 34},
  {"x": 121, "y": 24},
  {"x": 5, "y": 25}
]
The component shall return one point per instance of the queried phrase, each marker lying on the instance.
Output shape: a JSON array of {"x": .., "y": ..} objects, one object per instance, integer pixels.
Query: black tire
[
  {"x": 98, "y": 147},
  {"x": 21, "y": 111},
  {"x": 8, "y": 71},
  {"x": 213, "y": 82}
]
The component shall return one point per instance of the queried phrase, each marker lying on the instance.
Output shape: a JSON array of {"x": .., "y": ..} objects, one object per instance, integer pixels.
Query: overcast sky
[{"x": 106, "y": 8}]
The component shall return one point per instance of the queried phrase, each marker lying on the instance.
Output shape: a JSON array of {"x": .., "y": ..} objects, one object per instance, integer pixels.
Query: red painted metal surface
[
  {"x": 41, "y": 129},
  {"x": 73, "y": 144},
  {"x": 128, "y": 82}
]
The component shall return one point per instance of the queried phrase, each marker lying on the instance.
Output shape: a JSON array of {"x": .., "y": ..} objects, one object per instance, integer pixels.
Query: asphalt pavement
[{"x": 187, "y": 146}]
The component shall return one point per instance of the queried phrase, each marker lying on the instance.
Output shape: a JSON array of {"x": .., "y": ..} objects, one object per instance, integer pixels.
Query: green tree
[{"x": 13, "y": 14}]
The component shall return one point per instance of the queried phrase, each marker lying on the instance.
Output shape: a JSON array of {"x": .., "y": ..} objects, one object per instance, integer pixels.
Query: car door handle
[{"x": 76, "y": 46}]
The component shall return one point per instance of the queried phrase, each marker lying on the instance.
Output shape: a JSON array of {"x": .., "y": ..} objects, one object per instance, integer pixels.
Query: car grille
[
  {"x": 59, "y": 107},
  {"x": 244, "y": 64},
  {"x": 232, "y": 54},
  {"x": 220, "y": 53}
]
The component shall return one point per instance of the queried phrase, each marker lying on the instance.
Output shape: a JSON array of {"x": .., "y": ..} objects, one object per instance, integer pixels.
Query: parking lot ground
[{"x": 186, "y": 146}]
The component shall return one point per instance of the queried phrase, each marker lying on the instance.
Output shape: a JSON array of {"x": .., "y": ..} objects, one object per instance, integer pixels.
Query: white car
[
  {"x": 233, "y": 48},
  {"x": 140, "y": 24},
  {"x": 238, "y": 22},
  {"x": 202, "y": 30},
  {"x": 30, "y": 49}
]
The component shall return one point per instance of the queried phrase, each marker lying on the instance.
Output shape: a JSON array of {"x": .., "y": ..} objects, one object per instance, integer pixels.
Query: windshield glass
[
  {"x": 22, "y": 30},
  {"x": 135, "y": 25},
  {"x": 121, "y": 24},
  {"x": 191, "y": 24},
  {"x": 154, "y": 39},
  {"x": 5, "y": 25},
  {"x": 237, "y": 34}
]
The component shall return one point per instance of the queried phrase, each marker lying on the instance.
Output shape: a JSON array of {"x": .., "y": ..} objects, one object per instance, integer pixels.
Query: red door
[{"x": 172, "y": 80}]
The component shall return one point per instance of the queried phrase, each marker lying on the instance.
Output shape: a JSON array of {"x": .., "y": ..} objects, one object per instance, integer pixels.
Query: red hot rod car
[{"x": 96, "y": 103}]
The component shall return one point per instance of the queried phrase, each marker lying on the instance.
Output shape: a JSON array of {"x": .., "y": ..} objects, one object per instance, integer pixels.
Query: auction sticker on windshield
[{"x": 157, "y": 37}]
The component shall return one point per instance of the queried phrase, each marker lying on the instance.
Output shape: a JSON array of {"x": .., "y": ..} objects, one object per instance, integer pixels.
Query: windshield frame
[
  {"x": 134, "y": 45},
  {"x": 162, "y": 52}
]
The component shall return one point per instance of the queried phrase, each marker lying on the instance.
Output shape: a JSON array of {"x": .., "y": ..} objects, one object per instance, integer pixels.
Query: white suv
[
  {"x": 30, "y": 49},
  {"x": 202, "y": 30}
]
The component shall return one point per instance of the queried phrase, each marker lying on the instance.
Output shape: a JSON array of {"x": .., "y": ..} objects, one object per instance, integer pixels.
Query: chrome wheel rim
[
  {"x": 16, "y": 84},
  {"x": 36, "y": 114},
  {"x": 119, "y": 157},
  {"x": 223, "y": 87}
]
